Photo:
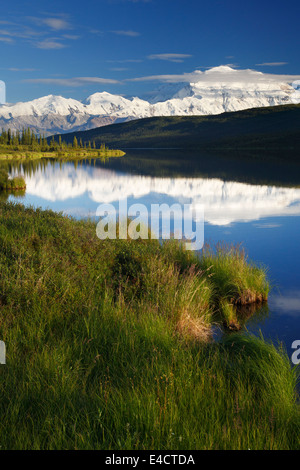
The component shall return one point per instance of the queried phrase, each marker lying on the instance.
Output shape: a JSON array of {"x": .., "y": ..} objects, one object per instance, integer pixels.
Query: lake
[{"x": 252, "y": 202}]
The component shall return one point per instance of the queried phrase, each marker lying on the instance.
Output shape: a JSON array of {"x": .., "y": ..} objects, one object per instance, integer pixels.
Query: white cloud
[
  {"x": 56, "y": 23},
  {"x": 96, "y": 31},
  {"x": 272, "y": 64},
  {"x": 72, "y": 82},
  {"x": 97, "y": 80},
  {"x": 7, "y": 40},
  {"x": 39, "y": 35},
  {"x": 73, "y": 37},
  {"x": 5, "y": 32},
  {"x": 124, "y": 61},
  {"x": 221, "y": 74},
  {"x": 49, "y": 44},
  {"x": 15, "y": 69},
  {"x": 126, "y": 33},
  {"x": 22, "y": 32},
  {"x": 118, "y": 69},
  {"x": 169, "y": 57}
]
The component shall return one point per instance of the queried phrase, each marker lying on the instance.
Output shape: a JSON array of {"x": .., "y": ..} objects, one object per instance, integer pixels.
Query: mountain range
[{"x": 216, "y": 91}]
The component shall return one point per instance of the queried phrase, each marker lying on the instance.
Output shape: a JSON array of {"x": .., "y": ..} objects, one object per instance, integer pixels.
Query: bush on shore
[{"x": 11, "y": 184}]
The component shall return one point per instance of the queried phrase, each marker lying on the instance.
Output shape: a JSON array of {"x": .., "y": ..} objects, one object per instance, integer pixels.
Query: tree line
[{"x": 37, "y": 142}]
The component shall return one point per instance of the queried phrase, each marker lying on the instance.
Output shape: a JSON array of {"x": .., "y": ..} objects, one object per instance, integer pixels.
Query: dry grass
[{"x": 194, "y": 329}]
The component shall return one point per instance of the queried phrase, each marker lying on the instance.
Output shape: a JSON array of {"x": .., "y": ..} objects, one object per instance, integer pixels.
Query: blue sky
[{"x": 76, "y": 48}]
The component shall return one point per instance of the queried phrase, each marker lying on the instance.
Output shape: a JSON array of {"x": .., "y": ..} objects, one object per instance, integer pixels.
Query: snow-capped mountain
[{"x": 215, "y": 91}]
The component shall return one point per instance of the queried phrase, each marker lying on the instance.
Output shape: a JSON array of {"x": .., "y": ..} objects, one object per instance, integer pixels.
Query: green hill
[{"x": 270, "y": 130}]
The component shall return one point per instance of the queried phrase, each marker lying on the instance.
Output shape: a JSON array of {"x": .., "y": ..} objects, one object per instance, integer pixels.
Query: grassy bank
[
  {"x": 8, "y": 154},
  {"x": 109, "y": 344}
]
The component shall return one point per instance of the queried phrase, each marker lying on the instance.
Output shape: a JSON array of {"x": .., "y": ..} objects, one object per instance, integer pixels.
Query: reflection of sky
[
  {"x": 289, "y": 303},
  {"x": 259, "y": 217}
]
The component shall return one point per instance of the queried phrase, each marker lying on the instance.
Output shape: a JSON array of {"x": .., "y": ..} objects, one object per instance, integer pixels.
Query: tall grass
[
  {"x": 237, "y": 281},
  {"x": 235, "y": 277},
  {"x": 109, "y": 347}
]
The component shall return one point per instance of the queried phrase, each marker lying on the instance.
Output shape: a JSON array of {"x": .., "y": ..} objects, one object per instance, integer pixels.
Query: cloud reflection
[{"x": 224, "y": 202}]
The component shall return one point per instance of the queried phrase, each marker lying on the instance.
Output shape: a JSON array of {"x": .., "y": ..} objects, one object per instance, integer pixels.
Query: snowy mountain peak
[
  {"x": 214, "y": 91},
  {"x": 98, "y": 97},
  {"x": 220, "y": 69}
]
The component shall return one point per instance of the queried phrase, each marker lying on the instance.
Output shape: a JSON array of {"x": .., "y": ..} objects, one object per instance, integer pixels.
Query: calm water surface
[{"x": 263, "y": 214}]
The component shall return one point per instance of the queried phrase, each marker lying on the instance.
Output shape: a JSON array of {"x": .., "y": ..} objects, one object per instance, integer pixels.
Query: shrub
[{"x": 11, "y": 184}]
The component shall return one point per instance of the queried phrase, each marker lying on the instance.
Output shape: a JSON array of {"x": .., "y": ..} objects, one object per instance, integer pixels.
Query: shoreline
[{"x": 74, "y": 155}]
